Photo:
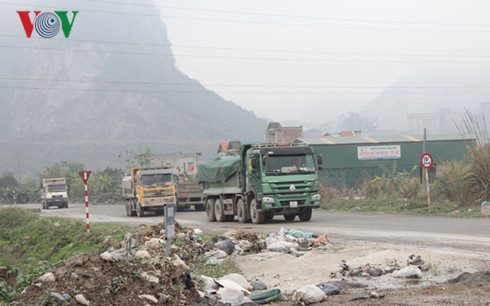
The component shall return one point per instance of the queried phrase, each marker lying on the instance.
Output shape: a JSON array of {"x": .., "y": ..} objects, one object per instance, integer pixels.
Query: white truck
[{"x": 54, "y": 193}]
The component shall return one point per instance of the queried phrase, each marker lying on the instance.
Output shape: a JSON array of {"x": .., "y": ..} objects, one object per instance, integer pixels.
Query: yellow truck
[{"x": 148, "y": 189}]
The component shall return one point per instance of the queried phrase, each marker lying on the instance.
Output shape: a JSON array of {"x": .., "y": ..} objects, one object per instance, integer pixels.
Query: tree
[{"x": 134, "y": 159}]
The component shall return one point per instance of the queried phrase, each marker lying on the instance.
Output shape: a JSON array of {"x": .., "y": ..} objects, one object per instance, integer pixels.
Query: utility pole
[{"x": 426, "y": 171}]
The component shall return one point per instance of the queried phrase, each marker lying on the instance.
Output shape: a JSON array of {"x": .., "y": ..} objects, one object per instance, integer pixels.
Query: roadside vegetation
[{"x": 30, "y": 246}]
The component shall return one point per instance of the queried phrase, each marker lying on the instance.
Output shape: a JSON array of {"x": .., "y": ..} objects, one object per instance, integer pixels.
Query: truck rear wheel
[
  {"x": 210, "y": 210},
  {"x": 219, "y": 210},
  {"x": 241, "y": 211},
  {"x": 289, "y": 217},
  {"x": 256, "y": 216},
  {"x": 305, "y": 215},
  {"x": 140, "y": 211}
]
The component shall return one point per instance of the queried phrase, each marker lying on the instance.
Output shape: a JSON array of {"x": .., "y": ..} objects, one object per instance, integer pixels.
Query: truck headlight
[
  {"x": 316, "y": 197},
  {"x": 268, "y": 200}
]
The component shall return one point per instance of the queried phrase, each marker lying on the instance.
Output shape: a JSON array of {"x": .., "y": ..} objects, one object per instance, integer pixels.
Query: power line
[
  {"x": 263, "y": 22},
  {"x": 76, "y": 9},
  {"x": 237, "y": 92},
  {"x": 233, "y": 85},
  {"x": 275, "y": 59},
  {"x": 253, "y": 49},
  {"x": 291, "y": 16}
]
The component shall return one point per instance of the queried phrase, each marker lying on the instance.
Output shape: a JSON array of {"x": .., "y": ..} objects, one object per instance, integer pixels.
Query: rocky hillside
[{"x": 112, "y": 86}]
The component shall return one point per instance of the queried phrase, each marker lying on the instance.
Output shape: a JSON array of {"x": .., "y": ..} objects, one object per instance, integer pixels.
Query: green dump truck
[{"x": 262, "y": 181}]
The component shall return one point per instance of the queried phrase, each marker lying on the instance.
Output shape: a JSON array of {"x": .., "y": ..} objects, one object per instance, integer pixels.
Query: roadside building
[
  {"x": 278, "y": 134},
  {"x": 348, "y": 161},
  {"x": 444, "y": 121},
  {"x": 230, "y": 148}
]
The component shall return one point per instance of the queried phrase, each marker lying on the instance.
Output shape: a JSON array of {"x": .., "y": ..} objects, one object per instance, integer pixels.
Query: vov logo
[{"x": 47, "y": 24}]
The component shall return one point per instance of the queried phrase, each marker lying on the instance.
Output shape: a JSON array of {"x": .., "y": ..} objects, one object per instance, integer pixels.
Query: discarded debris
[
  {"x": 371, "y": 295},
  {"x": 329, "y": 289},
  {"x": 408, "y": 272},
  {"x": 308, "y": 295}
]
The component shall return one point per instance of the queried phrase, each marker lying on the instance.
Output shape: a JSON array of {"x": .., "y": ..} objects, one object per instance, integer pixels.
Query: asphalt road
[{"x": 464, "y": 236}]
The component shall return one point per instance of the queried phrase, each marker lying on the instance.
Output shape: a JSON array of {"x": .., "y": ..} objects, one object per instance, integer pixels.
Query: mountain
[
  {"x": 428, "y": 91},
  {"x": 112, "y": 86}
]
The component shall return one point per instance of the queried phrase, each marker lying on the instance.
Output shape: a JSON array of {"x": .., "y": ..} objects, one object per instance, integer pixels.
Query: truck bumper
[{"x": 56, "y": 202}]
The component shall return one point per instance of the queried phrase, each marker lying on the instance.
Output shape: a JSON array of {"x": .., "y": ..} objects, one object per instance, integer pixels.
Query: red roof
[{"x": 224, "y": 146}]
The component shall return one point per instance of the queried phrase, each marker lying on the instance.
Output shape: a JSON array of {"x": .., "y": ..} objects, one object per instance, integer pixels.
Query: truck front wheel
[
  {"x": 256, "y": 216},
  {"x": 305, "y": 215},
  {"x": 140, "y": 211},
  {"x": 128, "y": 208},
  {"x": 210, "y": 210}
]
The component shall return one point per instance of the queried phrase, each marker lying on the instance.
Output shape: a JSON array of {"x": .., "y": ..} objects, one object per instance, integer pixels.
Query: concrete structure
[
  {"x": 178, "y": 162},
  {"x": 436, "y": 123},
  {"x": 348, "y": 161},
  {"x": 277, "y": 134}
]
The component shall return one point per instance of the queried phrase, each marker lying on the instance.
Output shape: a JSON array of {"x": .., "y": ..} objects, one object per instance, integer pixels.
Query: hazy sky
[{"x": 313, "y": 60}]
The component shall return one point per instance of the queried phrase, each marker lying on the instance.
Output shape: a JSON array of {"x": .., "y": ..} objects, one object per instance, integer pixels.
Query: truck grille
[
  {"x": 147, "y": 193},
  {"x": 285, "y": 189}
]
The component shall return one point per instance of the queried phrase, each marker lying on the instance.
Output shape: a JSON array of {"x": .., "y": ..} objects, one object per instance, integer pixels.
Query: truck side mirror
[{"x": 320, "y": 159}]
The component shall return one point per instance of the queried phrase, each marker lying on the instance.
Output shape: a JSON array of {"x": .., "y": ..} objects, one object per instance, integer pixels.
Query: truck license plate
[{"x": 293, "y": 204}]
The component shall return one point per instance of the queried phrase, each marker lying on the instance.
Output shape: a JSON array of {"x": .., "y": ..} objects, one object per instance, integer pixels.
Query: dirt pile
[{"x": 138, "y": 275}]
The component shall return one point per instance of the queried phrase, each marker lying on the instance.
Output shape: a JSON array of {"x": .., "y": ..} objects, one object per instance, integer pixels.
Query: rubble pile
[
  {"x": 138, "y": 273},
  {"x": 415, "y": 266}
]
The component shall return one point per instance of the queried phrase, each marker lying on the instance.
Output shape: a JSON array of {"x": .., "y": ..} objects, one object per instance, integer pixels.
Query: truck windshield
[
  {"x": 56, "y": 188},
  {"x": 289, "y": 164},
  {"x": 156, "y": 180}
]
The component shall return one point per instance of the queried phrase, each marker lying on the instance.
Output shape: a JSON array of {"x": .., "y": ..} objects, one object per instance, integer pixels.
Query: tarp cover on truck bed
[{"x": 219, "y": 170}]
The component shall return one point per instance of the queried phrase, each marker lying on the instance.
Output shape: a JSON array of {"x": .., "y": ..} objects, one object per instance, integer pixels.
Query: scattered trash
[
  {"x": 82, "y": 300},
  {"x": 371, "y": 295},
  {"x": 148, "y": 297},
  {"x": 267, "y": 297},
  {"x": 225, "y": 245},
  {"x": 47, "y": 278},
  {"x": 229, "y": 284},
  {"x": 237, "y": 278},
  {"x": 365, "y": 271},
  {"x": 308, "y": 295},
  {"x": 329, "y": 289},
  {"x": 408, "y": 272},
  {"x": 258, "y": 284}
]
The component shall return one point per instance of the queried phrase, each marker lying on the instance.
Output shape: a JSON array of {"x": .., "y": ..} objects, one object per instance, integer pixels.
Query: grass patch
[
  {"x": 31, "y": 245},
  {"x": 52, "y": 239},
  {"x": 400, "y": 206}
]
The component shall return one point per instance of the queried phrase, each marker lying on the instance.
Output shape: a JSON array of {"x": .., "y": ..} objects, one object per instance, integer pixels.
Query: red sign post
[{"x": 85, "y": 175}]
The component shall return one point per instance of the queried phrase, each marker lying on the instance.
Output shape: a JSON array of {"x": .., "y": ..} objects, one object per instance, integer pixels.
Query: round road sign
[{"x": 426, "y": 161}]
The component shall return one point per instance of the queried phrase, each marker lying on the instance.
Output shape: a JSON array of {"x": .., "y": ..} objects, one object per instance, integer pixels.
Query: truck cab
[
  {"x": 151, "y": 189},
  {"x": 54, "y": 192}
]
